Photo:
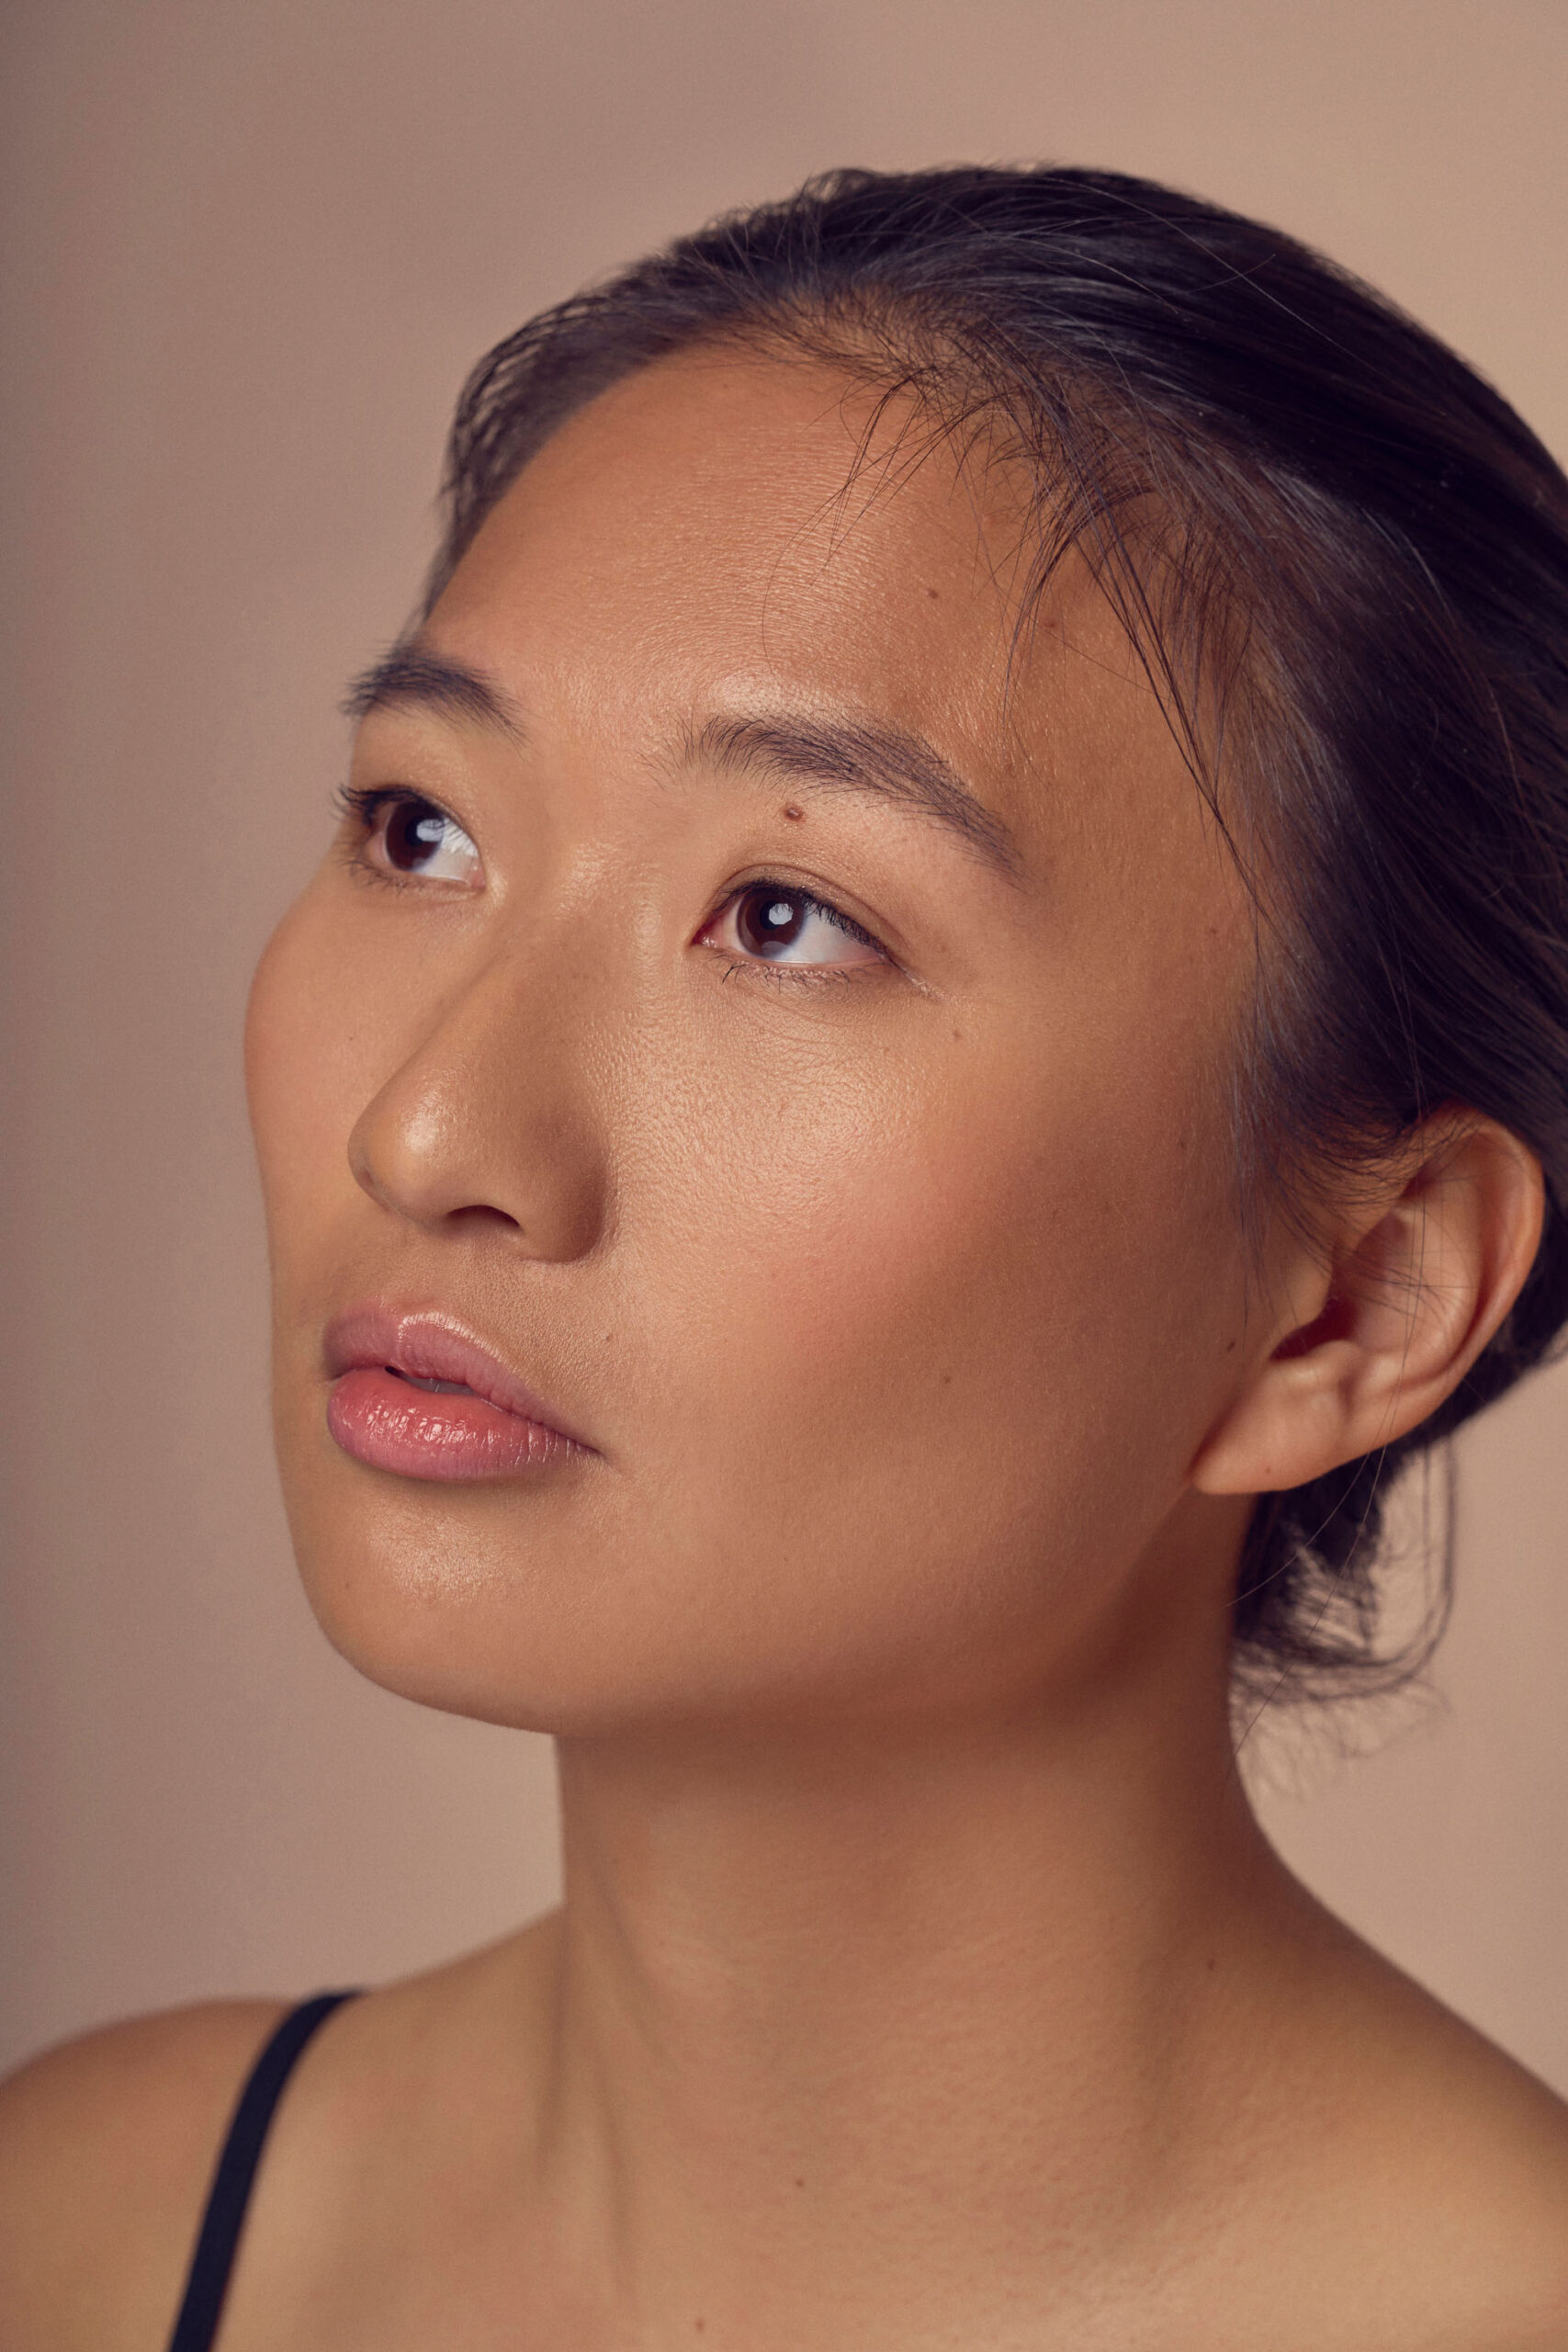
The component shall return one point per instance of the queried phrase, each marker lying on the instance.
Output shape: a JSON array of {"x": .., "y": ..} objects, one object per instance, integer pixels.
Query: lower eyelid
[{"x": 812, "y": 974}]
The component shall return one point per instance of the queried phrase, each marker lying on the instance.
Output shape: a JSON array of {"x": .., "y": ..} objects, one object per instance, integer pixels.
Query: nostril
[{"x": 481, "y": 1212}]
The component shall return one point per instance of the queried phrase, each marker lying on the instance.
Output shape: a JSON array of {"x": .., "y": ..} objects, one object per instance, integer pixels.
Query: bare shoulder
[
  {"x": 1476, "y": 2168},
  {"x": 1437, "y": 2190},
  {"x": 106, "y": 2147}
]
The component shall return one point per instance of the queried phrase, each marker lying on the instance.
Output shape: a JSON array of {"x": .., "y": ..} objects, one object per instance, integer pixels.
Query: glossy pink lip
[{"x": 487, "y": 1424}]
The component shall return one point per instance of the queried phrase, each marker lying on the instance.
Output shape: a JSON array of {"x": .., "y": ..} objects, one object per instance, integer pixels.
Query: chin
[{"x": 442, "y": 1597}]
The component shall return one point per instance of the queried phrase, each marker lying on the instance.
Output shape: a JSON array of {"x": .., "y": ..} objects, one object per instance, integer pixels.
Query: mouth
[{"x": 418, "y": 1396}]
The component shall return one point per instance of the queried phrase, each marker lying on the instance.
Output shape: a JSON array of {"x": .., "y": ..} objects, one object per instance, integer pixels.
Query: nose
[{"x": 487, "y": 1123}]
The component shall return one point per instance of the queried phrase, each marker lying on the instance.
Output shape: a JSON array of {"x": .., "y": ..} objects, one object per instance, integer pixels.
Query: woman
[{"x": 936, "y": 1035}]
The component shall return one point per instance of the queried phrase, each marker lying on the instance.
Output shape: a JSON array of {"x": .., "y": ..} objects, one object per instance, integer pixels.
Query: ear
[{"x": 1387, "y": 1316}]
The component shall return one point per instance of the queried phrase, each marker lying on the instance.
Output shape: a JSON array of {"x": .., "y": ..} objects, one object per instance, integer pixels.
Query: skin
[{"x": 923, "y": 1980}]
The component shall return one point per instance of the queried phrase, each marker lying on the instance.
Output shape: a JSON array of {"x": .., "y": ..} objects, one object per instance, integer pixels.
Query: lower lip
[{"x": 421, "y": 1433}]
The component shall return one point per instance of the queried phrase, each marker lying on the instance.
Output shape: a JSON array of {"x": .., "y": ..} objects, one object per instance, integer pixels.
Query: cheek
[
  {"x": 288, "y": 1058},
  {"x": 945, "y": 1336},
  {"x": 317, "y": 1046},
  {"x": 908, "y": 1353},
  {"x": 868, "y": 1232}
]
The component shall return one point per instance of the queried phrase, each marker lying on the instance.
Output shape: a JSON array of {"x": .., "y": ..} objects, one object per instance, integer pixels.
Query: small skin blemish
[
  {"x": 800, "y": 2180},
  {"x": 794, "y": 814}
]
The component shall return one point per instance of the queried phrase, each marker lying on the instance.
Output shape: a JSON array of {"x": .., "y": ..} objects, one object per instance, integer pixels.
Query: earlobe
[{"x": 1415, "y": 1283}]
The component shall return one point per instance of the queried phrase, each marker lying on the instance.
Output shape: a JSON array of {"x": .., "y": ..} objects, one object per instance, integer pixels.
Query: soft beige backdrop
[{"x": 252, "y": 247}]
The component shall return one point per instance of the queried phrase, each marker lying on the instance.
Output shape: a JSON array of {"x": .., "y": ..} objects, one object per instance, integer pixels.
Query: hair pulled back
[{"x": 1343, "y": 560}]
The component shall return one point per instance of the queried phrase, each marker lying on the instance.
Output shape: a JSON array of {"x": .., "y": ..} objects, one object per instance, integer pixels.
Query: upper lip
[{"x": 429, "y": 1346}]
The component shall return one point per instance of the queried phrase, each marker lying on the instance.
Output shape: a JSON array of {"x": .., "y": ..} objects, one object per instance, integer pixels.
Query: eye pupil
[{"x": 766, "y": 919}]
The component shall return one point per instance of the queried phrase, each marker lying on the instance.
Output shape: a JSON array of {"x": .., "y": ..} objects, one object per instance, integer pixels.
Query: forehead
[{"x": 727, "y": 526}]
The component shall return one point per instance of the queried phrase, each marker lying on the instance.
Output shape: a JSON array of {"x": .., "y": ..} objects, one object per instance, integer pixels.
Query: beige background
[{"x": 252, "y": 247}]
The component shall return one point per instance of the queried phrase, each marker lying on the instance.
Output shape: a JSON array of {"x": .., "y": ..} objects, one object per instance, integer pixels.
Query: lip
[{"x": 490, "y": 1425}]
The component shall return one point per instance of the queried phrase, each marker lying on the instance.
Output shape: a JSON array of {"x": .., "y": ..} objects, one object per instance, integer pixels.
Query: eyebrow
[
  {"x": 408, "y": 674},
  {"x": 834, "y": 755},
  {"x": 858, "y": 755}
]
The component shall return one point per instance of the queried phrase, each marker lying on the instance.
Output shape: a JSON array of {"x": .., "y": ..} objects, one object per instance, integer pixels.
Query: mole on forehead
[{"x": 856, "y": 755}]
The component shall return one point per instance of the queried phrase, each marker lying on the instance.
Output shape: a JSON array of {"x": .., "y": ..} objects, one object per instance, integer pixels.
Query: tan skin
[{"x": 923, "y": 1980}]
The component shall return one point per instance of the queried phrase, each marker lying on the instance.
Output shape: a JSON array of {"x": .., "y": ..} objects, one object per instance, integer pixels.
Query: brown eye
[
  {"x": 415, "y": 837},
  {"x": 773, "y": 922}
]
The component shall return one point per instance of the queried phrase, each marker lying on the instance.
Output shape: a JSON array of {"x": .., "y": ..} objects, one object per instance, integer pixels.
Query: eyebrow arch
[
  {"x": 858, "y": 755},
  {"x": 411, "y": 674}
]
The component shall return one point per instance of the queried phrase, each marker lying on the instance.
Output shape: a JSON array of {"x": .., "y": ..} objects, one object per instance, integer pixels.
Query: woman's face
[{"x": 776, "y": 1022}]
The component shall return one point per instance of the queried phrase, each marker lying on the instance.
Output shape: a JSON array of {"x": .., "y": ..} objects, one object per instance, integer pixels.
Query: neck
[{"x": 817, "y": 1986}]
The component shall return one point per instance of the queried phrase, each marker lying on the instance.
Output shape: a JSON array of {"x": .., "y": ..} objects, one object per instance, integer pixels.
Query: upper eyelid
[{"x": 363, "y": 800}]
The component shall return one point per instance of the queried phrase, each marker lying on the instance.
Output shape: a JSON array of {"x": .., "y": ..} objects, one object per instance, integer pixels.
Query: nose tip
[
  {"x": 472, "y": 1136},
  {"x": 399, "y": 1182},
  {"x": 400, "y": 1155}
]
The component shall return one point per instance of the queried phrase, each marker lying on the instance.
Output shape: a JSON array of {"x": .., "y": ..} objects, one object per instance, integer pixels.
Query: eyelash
[
  {"x": 361, "y": 801},
  {"x": 361, "y": 805}
]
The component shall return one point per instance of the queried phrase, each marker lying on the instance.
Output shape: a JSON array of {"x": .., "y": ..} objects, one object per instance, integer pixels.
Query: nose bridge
[{"x": 491, "y": 1116}]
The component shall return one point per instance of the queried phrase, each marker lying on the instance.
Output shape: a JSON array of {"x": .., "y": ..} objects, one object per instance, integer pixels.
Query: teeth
[{"x": 433, "y": 1387}]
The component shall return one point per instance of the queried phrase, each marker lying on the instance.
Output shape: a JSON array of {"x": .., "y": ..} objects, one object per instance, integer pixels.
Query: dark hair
[{"x": 1344, "y": 561}]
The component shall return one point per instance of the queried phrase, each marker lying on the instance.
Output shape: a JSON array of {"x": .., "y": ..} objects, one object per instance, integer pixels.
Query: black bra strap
[{"x": 207, "y": 2279}]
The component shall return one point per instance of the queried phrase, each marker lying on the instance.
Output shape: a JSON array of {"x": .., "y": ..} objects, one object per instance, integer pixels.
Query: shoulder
[
  {"x": 1473, "y": 2190},
  {"x": 107, "y": 2144},
  {"x": 106, "y": 2148},
  {"x": 1435, "y": 2198}
]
